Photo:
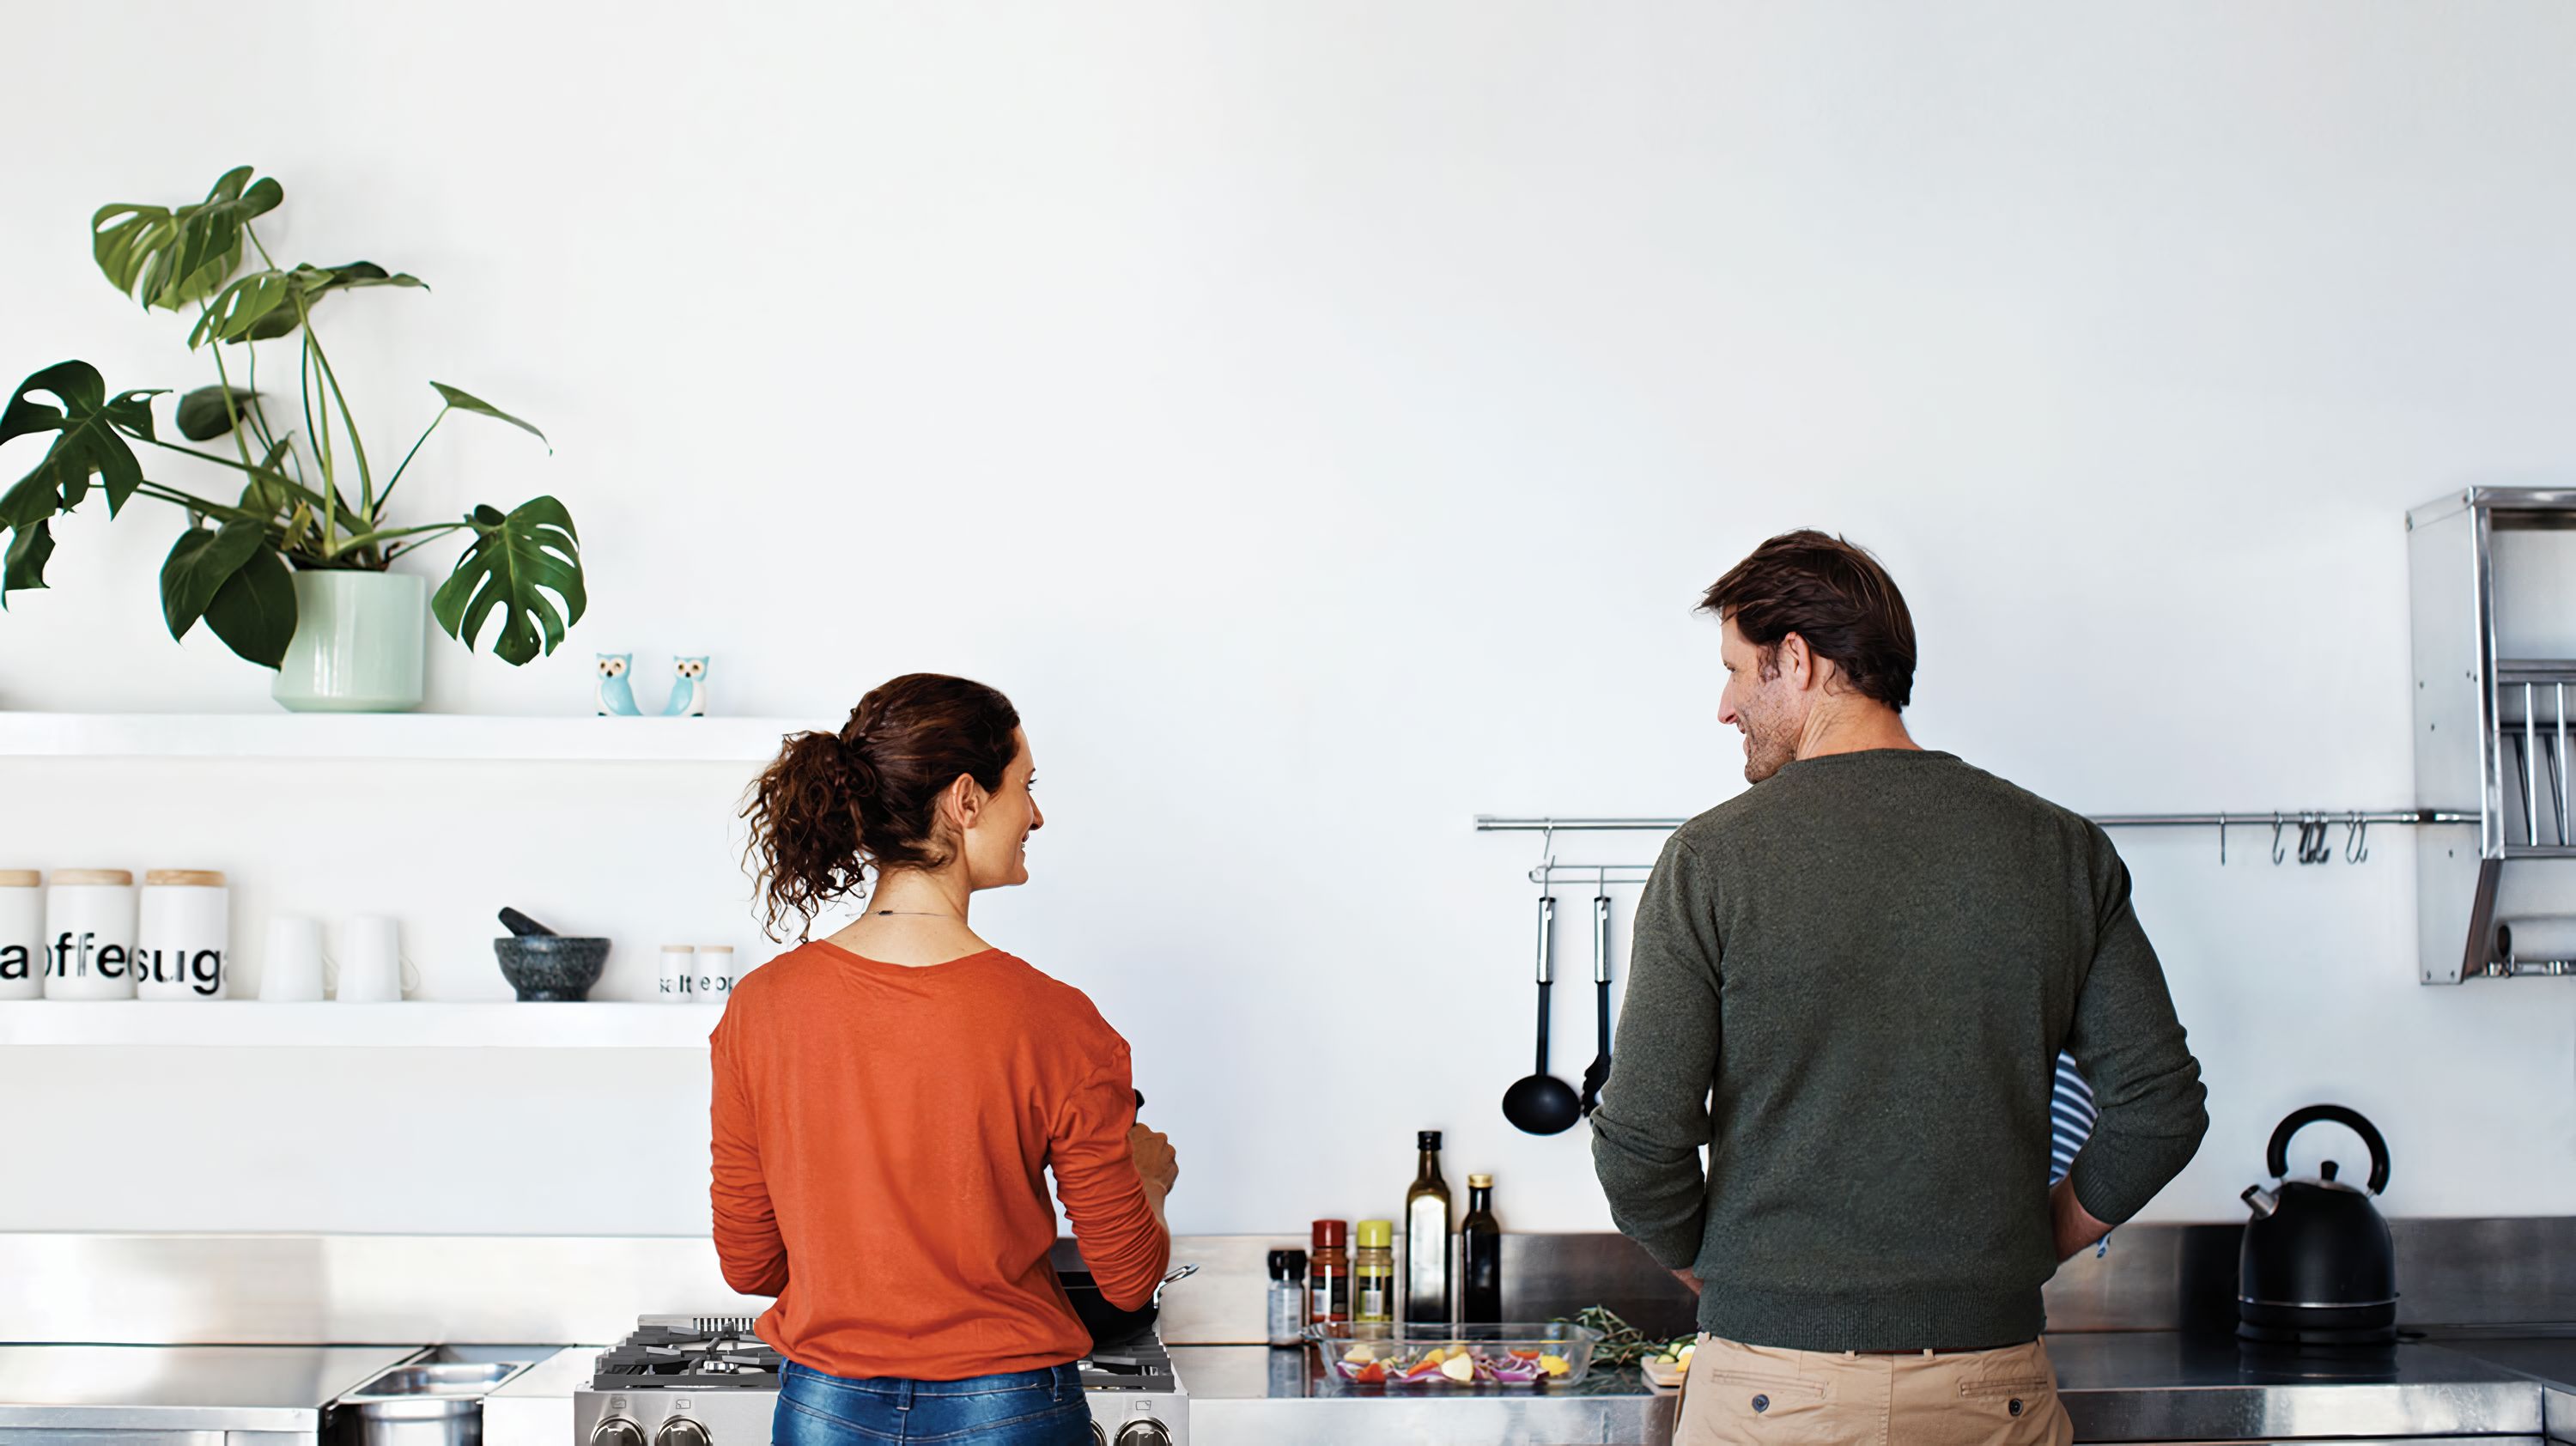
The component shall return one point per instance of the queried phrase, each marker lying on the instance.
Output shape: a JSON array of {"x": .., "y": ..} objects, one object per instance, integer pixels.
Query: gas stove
[{"x": 698, "y": 1380}]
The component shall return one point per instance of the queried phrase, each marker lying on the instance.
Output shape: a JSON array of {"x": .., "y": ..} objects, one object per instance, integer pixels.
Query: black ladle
[
  {"x": 1542, "y": 1104},
  {"x": 1597, "y": 1073}
]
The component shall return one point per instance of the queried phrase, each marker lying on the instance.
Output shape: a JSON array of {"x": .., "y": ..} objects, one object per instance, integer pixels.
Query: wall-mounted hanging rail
[{"x": 2314, "y": 841}]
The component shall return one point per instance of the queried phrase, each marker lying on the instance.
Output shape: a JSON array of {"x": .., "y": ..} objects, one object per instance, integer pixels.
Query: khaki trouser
[{"x": 1738, "y": 1395}]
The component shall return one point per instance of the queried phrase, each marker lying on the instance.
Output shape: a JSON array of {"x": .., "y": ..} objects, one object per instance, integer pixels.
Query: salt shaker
[{"x": 1287, "y": 1297}]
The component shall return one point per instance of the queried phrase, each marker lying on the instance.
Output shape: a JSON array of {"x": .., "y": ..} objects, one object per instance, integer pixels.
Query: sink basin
[
  {"x": 438, "y": 1378},
  {"x": 436, "y": 1400}
]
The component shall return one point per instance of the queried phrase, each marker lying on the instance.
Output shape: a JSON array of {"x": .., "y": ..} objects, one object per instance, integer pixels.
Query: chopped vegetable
[
  {"x": 1371, "y": 1374},
  {"x": 1462, "y": 1368},
  {"x": 1554, "y": 1365}
]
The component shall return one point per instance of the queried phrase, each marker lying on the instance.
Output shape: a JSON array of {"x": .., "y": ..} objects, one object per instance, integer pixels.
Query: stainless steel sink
[
  {"x": 473, "y": 1379},
  {"x": 434, "y": 1400}
]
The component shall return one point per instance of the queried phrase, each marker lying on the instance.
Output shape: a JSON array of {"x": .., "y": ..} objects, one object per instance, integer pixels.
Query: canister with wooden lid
[
  {"x": 22, "y": 934},
  {"x": 89, "y": 934},
  {"x": 183, "y": 944}
]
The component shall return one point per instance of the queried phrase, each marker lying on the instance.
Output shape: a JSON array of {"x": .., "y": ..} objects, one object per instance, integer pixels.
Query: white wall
[{"x": 1320, "y": 419}]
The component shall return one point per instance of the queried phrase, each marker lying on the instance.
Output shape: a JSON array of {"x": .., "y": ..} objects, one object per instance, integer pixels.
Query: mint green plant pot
[{"x": 358, "y": 641}]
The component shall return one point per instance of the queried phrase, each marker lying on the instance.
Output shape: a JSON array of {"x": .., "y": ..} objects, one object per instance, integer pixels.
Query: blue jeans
[{"x": 1023, "y": 1408}]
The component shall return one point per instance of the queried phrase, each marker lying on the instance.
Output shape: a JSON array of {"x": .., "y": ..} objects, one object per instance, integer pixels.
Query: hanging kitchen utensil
[
  {"x": 1540, "y": 1103},
  {"x": 2318, "y": 1267},
  {"x": 1597, "y": 1073}
]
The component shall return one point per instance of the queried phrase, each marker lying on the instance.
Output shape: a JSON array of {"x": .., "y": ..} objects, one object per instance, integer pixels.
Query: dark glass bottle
[
  {"x": 1483, "y": 1239},
  {"x": 1428, "y": 1219}
]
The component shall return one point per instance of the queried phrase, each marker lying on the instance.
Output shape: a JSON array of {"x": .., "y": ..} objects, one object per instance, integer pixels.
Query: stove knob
[
  {"x": 681, "y": 1431},
  {"x": 614, "y": 1432},
  {"x": 1144, "y": 1432},
  {"x": 1098, "y": 1436}
]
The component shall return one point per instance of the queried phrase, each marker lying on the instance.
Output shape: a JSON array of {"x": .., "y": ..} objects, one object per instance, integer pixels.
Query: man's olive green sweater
[{"x": 1850, "y": 985}]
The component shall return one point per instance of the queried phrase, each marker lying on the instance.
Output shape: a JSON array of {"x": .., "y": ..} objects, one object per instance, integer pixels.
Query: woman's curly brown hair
[{"x": 831, "y": 806}]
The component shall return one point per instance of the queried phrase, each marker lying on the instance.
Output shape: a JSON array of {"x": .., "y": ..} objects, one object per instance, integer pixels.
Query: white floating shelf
[
  {"x": 412, "y": 1024},
  {"x": 385, "y": 736}
]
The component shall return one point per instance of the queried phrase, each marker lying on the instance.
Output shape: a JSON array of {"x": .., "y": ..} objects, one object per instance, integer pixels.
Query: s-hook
[{"x": 2356, "y": 843}]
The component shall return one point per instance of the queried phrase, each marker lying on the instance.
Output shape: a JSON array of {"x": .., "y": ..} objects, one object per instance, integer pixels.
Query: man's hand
[
  {"x": 1686, "y": 1278},
  {"x": 2068, "y": 1220}
]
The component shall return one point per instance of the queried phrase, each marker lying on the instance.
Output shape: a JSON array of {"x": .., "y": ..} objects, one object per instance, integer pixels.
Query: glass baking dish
[{"x": 1445, "y": 1357}]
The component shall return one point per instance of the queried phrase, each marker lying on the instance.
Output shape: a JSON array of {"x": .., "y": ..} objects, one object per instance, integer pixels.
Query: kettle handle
[{"x": 2277, "y": 1157}]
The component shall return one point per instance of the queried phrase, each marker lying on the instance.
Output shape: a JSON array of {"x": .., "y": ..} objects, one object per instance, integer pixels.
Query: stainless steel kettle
[{"x": 2318, "y": 1266}]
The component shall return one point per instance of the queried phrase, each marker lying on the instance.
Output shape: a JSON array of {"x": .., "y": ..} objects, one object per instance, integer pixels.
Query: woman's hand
[{"x": 1156, "y": 1164}]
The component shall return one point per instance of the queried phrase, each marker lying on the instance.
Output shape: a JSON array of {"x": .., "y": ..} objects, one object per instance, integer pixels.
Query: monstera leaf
[
  {"x": 264, "y": 304},
  {"x": 88, "y": 423},
  {"x": 514, "y": 561},
  {"x": 23, "y": 565},
  {"x": 204, "y": 414},
  {"x": 200, "y": 563},
  {"x": 254, "y": 611},
  {"x": 176, "y": 258},
  {"x": 467, "y": 402}
]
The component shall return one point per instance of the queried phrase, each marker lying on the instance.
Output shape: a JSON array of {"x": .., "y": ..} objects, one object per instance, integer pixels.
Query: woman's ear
[{"x": 962, "y": 803}]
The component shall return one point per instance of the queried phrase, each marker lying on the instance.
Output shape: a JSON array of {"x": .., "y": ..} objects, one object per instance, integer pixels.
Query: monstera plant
[{"x": 309, "y": 499}]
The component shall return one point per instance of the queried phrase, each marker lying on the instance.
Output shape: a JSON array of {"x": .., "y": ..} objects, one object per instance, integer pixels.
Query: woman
[{"x": 888, "y": 1101}]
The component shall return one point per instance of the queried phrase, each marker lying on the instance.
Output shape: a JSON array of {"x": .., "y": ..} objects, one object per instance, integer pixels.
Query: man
[{"x": 1851, "y": 985}]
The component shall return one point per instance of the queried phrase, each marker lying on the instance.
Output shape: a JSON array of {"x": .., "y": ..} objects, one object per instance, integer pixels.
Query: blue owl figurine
[
  {"x": 688, "y": 689},
  {"x": 616, "y": 690}
]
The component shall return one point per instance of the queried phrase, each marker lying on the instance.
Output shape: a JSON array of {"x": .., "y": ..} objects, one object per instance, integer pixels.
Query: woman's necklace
[{"x": 911, "y": 913}]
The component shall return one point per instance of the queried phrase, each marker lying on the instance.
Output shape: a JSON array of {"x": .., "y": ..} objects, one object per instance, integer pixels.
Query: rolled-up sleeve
[
  {"x": 748, "y": 1245},
  {"x": 1104, "y": 1200},
  {"x": 1654, "y": 1115},
  {"x": 2130, "y": 1045}
]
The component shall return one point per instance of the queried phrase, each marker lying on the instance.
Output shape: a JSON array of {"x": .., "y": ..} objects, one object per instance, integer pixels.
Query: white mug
[
  {"x": 372, "y": 969},
  {"x": 293, "y": 970}
]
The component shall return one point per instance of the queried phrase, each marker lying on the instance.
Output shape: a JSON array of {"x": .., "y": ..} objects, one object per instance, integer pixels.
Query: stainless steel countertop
[
  {"x": 182, "y": 1388},
  {"x": 534, "y": 1408},
  {"x": 2119, "y": 1387}
]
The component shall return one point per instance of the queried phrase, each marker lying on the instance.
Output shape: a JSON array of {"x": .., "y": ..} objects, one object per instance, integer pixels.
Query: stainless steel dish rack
[{"x": 2491, "y": 571}]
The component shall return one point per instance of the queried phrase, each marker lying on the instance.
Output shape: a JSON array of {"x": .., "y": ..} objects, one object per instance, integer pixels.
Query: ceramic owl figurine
[
  {"x": 688, "y": 689},
  {"x": 616, "y": 690}
]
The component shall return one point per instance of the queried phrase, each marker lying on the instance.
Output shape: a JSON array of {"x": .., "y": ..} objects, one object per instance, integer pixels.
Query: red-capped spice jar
[{"x": 1328, "y": 1274}]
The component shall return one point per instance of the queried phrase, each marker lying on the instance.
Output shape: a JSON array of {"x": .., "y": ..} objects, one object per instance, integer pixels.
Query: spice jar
[
  {"x": 22, "y": 934},
  {"x": 1328, "y": 1274},
  {"x": 1287, "y": 1297},
  {"x": 1373, "y": 1273},
  {"x": 89, "y": 926}
]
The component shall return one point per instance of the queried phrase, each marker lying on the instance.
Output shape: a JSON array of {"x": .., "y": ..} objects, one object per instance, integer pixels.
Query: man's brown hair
[{"x": 1833, "y": 594}]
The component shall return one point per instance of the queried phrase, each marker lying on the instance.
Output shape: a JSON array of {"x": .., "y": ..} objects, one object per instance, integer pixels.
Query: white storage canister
[
  {"x": 22, "y": 934},
  {"x": 183, "y": 944},
  {"x": 89, "y": 934},
  {"x": 679, "y": 966},
  {"x": 715, "y": 972}
]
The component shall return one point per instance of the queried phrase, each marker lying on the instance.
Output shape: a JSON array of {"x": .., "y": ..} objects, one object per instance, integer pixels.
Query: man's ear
[{"x": 1796, "y": 663}]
